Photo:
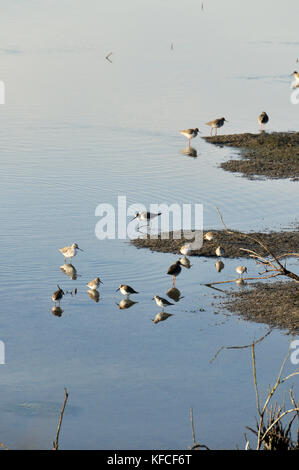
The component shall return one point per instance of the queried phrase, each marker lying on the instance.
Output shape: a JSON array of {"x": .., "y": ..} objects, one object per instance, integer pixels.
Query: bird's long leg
[
  {"x": 173, "y": 281},
  {"x": 211, "y": 130}
]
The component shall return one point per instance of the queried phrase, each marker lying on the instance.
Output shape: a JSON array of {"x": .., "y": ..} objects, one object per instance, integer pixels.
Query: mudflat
[{"x": 273, "y": 155}]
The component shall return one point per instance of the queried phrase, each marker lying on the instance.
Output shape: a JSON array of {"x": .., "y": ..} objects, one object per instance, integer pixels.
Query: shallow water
[{"x": 77, "y": 131}]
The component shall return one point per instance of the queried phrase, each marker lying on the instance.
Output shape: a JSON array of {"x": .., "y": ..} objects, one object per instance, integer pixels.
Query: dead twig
[
  {"x": 195, "y": 446},
  {"x": 271, "y": 260},
  {"x": 211, "y": 284},
  {"x": 55, "y": 443},
  {"x": 108, "y": 57},
  {"x": 241, "y": 347}
]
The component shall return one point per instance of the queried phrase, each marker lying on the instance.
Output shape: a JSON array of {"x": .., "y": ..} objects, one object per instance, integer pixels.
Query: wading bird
[
  {"x": 216, "y": 124},
  {"x": 174, "y": 270},
  {"x": 94, "y": 284},
  {"x": 209, "y": 236},
  {"x": 241, "y": 269},
  {"x": 161, "y": 302},
  {"x": 57, "y": 296},
  {"x": 296, "y": 77},
  {"x": 126, "y": 290},
  {"x": 263, "y": 119},
  {"x": 219, "y": 251},
  {"x": 190, "y": 134},
  {"x": 69, "y": 251}
]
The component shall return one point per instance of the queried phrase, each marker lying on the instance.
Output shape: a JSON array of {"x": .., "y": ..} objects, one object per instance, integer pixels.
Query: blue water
[{"x": 77, "y": 131}]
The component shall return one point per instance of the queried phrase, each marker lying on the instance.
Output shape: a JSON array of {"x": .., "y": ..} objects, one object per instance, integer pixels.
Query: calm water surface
[{"x": 77, "y": 131}]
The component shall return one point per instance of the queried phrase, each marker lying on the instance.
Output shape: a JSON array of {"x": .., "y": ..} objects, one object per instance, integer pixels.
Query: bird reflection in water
[
  {"x": 219, "y": 266},
  {"x": 94, "y": 294},
  {"x": 161, "y": 316},
  {"x": 190, "y": 152},
  {"x": 240, "y": 282},
  {"x": 126, "y": 303},
  {"x": 57, "y": 311},
  {"x": 70, "y": 271},
  {"x": 184, "y": 261},
  {"x": 174, "y": 294}
]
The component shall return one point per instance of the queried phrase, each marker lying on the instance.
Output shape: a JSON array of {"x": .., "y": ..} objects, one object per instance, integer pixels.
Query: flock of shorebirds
[
  {"x": 219, "y": 122},
  {"x": 175, "y": 269}
]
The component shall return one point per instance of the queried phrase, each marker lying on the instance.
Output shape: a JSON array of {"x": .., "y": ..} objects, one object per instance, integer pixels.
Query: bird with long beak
[
  {"x": 69, "y": 251},
  {"x": 57, "y": 296},
  {"x": 94, "y": 284},
  {"x": 145, "y": 216},
  {"x": 190, "y": 134},
  {"x": 174, "y": 270},
  {"x": 241, "y": 269},
  {"x": 126, "y": 290},
  {"x": 161, "y": 302},
  {"x": 216, "y": 124}
]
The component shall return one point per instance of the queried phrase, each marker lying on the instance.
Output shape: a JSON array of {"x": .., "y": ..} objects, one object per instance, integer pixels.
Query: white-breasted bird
[
  {"x": 295, "y": 74},
  {"x": 126, "y": 290},
  {"x": 94, "y": 284},
  {"x": 241, "y": 269},
  {"x": 186, "y": 249},
  {"x": 209, "y": 236},
  {"x": 190, "y": 134},
  {"x": 69, "y": 251},
  {"x": 215, "y": 124},
  {"x": 161, "y": 302},
  {"x": 219, "y": 251},
  {"x": 145, "y": 216}
]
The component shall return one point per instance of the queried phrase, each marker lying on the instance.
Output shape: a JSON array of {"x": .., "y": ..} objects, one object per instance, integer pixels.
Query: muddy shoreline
[
  {"x": 275, "y": 304},
  {"x": 280, "y": 242},
  {"x": 273, "y": 155}
]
